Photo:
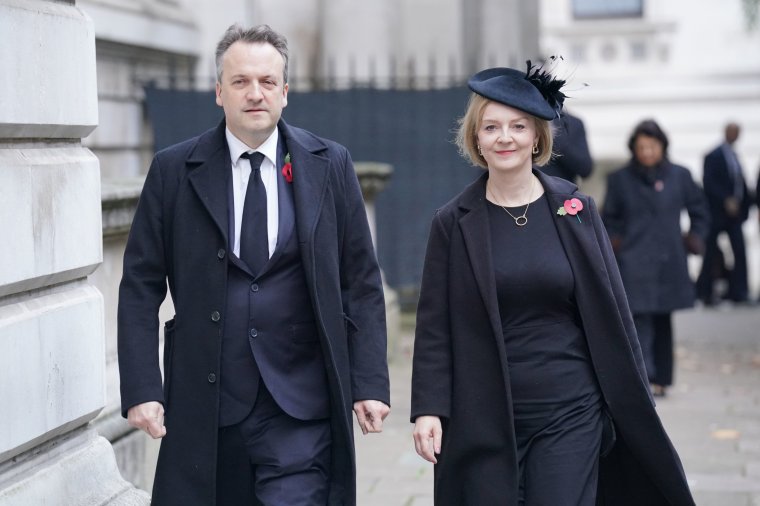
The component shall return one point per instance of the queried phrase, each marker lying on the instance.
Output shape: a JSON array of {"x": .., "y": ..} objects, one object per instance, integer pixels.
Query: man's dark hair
[{"x": 261, "y": 34}]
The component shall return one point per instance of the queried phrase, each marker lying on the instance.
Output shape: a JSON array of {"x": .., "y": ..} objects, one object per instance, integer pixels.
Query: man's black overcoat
[
  {"x": 461, "y": 368},
  {"x": 179, "y": 234}
]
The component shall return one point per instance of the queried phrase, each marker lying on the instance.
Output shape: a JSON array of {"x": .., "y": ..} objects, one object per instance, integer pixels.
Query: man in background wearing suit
[
  {"x": 259, "y": 229},
  {"x": 729, "y": 204},
  {"x": 572, "y": 159}
]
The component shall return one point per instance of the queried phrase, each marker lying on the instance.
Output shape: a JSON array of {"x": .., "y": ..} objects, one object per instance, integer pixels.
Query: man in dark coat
[
  {"x": 464, "y": 350},
  {"x": 260, "y": 230},
  {"x": 729, "y": 203},
  {"x": 572, "y": 158}
]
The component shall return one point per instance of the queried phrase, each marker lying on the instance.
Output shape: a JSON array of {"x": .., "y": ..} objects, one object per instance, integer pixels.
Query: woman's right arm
[{"x": 432, "y": 362}]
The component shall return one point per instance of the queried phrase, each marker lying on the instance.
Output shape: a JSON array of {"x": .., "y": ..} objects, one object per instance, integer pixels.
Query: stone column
[
  {"x": 373, "y": 177},
  {"x": 51, "y": 318}
]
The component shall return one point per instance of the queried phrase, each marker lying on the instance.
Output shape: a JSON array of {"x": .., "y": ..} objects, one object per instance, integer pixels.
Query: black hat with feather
[{"x": 536, "y": 91}]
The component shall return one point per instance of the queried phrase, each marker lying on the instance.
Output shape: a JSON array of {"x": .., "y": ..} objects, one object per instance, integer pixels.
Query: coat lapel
[
  {"x": 210, "y": 175},
  {"x": 310, "y": 171},
  {"x": 477, "y": 238},
  {"x": 599, "y": 311}
]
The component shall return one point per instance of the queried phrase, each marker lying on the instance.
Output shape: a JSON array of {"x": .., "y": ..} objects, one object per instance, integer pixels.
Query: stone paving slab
[{"x": 712, "y": 414}]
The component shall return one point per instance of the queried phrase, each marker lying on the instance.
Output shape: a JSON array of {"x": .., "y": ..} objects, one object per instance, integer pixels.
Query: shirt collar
[{"x": 268, "y": 148}]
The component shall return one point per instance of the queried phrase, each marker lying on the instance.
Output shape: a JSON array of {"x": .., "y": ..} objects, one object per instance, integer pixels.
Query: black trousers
[
  {"x": 737, "y": 279},
  {"x": 559, "y": 462},
  {"x": 273, "y": 459},
  {"x": 655, "y": 332}
]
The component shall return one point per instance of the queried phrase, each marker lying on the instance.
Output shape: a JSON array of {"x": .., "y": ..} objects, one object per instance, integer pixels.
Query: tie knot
[{"x": 255, "y": 158}]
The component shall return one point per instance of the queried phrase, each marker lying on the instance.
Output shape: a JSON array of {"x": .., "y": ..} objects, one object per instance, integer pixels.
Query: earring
[
  {"x": 535, "y": 149},
  {"x": 480, "y": 151}
]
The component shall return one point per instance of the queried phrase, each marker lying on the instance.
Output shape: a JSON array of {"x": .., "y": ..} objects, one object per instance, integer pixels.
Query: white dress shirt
[{"x": 241, "y": 172}]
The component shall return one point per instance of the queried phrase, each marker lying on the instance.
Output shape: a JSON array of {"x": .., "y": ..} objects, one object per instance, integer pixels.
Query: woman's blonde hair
[{"x": 467, "y": 134}]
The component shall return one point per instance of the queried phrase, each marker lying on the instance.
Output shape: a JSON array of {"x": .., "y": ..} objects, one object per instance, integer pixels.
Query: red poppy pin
[
  {"x": 571, "y": 207},
  {"x": 287, "y": 169}
]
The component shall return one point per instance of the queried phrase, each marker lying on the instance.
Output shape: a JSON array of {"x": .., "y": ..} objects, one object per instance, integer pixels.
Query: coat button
[
  {"x": 254, "y": 287},
  {"x": 254, "y": 332},
  {"x": 212, "y": 378},
  {"x": 220, "y": 254},
  {"x": 215, "y": 316}
]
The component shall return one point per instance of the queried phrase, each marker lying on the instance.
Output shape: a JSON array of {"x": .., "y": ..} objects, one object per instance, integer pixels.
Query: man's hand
[
  {"x": 370, "y": 415},
  {"x": 732, "y": 207},
  {"x": 427, "y": 437},
  {"x": 148, "y": 416}
]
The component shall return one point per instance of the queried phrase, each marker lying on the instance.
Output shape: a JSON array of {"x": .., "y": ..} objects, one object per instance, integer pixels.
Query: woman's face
[
  {"x": 647, "y": 150},
  {"x": 506, "y": 137}
]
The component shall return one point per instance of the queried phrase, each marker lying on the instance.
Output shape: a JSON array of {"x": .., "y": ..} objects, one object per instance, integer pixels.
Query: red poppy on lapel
[
  {"x": 572, "y": 207},
  {"x": 287, "y": 169}
]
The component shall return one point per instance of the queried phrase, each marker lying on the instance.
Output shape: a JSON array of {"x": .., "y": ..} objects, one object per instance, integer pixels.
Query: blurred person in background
[
  {"x": 642, "y": 213},
  {"x": 571, "y": 158},
  {"x": 729, "y": 203},
  {"x": 528, "y": 385}
]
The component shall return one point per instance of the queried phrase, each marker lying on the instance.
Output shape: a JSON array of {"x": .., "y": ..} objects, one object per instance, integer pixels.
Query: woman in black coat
[
  {"x": 642, "y": 213},
  {"x": 528, "y": 385}
]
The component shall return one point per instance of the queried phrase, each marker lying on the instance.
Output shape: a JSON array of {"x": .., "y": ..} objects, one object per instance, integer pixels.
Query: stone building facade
[{"x": 51, "y": 316}]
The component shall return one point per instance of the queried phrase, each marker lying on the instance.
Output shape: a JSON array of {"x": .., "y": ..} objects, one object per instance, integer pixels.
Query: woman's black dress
[{"x": 555, "y": 396}]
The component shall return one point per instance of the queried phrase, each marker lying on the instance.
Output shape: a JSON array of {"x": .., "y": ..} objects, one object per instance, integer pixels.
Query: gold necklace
[{"x": 521, "y": 220}]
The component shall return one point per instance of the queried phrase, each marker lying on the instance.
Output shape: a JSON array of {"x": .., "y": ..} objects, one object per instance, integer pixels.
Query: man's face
[
  {"x": 252, "y": 90},
  {"x": 732, "y": 133}
]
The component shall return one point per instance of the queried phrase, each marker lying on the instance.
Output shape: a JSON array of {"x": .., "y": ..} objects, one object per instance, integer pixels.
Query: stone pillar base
[{"x": 77, "y": 469}]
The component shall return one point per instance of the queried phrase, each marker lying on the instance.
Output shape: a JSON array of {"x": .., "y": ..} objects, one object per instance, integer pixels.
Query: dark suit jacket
[
  {"x": 718, "y": 183},
  {"x": 461, "y": 368},
  {"x": 572, "y": 158},
  {"x": 180, "y": 235}
]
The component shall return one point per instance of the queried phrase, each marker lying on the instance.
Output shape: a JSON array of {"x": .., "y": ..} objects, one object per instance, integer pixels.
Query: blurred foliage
[{"x": 750, "y": 13}]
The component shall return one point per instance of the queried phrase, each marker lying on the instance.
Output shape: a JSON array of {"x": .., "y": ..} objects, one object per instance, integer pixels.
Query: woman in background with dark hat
[
  {"x": 642, "y": 214},
  {"x": 528, "y": 384}
]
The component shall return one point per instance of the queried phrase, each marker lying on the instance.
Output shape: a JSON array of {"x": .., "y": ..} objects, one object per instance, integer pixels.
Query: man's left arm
[
  {"x": 364, "y": 309},
  {"x": 699, "y": 214}
]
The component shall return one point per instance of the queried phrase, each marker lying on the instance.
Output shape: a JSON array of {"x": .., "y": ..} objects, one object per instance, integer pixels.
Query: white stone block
[
  {"x": 136, "y": 456},
  {"x": 121, "y": 125},
  {"x": 154, "y": 25},
  {"x": 48, "y": 78},
  {"x": 51, "y": 365},
  {"x": 122, "y": 163},
  {"x": 80, "y": 471},
  {"x": 50, "y": 216}
]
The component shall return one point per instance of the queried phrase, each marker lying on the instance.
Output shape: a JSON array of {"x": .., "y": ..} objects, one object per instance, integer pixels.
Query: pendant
[
  {"x": 659, "y": 185},
  {"x": 521, "y": 221}
]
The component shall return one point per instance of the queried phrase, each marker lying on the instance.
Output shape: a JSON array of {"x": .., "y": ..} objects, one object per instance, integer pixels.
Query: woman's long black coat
[
  {"x": 646, "y": 218},
  {"x": 461, "y": 368}
]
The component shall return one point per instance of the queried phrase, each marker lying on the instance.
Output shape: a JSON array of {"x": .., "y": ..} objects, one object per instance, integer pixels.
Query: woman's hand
[{"x": 427, "y": 437}]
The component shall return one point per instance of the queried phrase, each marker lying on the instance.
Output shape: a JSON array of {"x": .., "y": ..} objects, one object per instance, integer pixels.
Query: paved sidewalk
[{"x": 712, "y": 415}]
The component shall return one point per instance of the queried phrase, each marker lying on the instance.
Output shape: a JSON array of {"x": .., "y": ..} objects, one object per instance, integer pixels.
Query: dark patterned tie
[
  {"x": 254, "y": 238},
  {"x": 735, "y": 168}
]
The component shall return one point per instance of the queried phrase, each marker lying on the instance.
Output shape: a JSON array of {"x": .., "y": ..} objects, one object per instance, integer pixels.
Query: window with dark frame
[{"x": 606, "y": 9}]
